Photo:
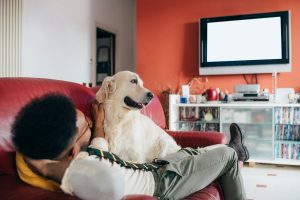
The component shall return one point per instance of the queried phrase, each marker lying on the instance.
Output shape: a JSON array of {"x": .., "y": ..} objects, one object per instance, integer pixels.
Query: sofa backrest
[
  {"x": 16, "y": 92},
  {"x": 153, "y": 110}
]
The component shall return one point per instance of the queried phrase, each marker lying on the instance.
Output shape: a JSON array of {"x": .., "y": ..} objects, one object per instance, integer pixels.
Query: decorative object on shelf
[
  {"x": 292, "y": 97},
  {"x": 201, "y": 99},
  {"x": 208, "y": 116},
  {"x": 185, "y": 92},
  {"x": 212, "y": 94},
  {"x": 192, "y": 99},
  {"x": 221, "y": 96},
  {"x": 226, "y": 97},
  {"x": 298, "y": 97},
  {"x": 183, "y": 100},
  {"x": 266, "y": 91},
  {"x": 196, "y": 83},
  {"x": 189, "y": 113}
]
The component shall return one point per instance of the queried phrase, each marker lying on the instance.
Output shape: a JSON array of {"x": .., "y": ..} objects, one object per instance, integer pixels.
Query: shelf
[
  {"x": 288, "y": 141},
  {"x": 249, "y": 123},
  {"x": 237, "y": 104},
  {"x": 199, "y": 121},
  {"x": 279, "y": 161},
  {"x": 289, "y": 124},
  {"x": 286, "y": 161}
]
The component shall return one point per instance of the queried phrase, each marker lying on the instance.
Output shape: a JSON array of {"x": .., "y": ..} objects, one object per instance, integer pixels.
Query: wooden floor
[{"x": 271, "y": 182}]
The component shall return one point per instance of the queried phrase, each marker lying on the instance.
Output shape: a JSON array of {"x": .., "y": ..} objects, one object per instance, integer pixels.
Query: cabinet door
[
  {"x": 195, "y": 118},
  {"x": 256, "y": 124}
]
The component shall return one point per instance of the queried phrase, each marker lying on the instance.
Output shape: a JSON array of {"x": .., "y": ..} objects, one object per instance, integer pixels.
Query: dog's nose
[{"x": 150, "y": 95}]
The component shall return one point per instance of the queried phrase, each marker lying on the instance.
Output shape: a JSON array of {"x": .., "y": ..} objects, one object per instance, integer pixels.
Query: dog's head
[{"x": 126, "y": 90}]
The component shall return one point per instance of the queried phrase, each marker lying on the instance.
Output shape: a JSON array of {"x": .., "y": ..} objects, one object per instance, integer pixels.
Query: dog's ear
[{"x": 107, "y": 88}]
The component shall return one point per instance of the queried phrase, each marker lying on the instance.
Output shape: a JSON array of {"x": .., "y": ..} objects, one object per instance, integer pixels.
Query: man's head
[{"x": 46, "y": 128}]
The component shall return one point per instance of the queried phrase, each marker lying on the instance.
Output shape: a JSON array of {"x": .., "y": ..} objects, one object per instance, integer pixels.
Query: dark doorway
[{"x": 105, "y": 62}]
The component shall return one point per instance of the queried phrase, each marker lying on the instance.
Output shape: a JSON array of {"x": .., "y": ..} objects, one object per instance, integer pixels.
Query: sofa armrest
[
  {"x": 196, "y": 139},
  {"x": 138, "y": 197}
]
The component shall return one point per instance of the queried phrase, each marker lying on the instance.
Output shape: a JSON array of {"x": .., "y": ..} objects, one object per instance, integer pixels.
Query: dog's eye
[{"x": 134, "y": 81}]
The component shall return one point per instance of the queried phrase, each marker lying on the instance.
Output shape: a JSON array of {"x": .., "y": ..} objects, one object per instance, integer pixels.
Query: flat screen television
[{"x": 245, "y": 44}]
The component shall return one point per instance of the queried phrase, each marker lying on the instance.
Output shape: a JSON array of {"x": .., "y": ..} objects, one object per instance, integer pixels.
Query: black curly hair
[{"x": 44, "y": 127}]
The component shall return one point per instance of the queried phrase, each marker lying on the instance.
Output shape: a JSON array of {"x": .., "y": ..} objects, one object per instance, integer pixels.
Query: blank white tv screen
[
  {"x": 239, "y": 40},
  {"x": 245, "y": 44}
]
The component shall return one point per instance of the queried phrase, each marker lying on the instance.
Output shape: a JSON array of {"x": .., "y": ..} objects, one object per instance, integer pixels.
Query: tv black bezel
[{"x": 284, "y": 16}]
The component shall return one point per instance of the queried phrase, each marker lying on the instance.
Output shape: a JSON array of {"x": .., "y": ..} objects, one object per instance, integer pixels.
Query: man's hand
[{"x": 98, "y": 116}]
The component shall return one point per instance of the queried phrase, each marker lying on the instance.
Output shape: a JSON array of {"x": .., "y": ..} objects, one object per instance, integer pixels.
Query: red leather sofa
[{"x": 16, "y": 92}]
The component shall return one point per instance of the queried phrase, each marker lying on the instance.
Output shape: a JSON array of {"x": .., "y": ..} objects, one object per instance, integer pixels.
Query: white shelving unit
[{"x": 261, "y": 122}]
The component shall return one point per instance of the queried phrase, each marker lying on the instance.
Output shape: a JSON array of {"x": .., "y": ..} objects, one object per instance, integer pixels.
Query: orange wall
[{"x": 167, "y": 41}]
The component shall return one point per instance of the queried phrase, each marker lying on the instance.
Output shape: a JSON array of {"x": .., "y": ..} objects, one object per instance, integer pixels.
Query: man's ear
[{"x": 107, "y": 88}]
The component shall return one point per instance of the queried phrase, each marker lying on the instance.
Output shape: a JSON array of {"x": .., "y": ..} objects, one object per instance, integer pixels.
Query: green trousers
[{"x": 191, "y": 170}]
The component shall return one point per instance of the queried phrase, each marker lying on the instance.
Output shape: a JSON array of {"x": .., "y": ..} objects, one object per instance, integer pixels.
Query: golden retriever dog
[{"x": 131, "y": 135}]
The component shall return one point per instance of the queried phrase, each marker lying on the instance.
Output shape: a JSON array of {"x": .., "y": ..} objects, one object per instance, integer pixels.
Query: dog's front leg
[
  {"x": 167, "y": 145},
  {"x": 135, "y": 157}
]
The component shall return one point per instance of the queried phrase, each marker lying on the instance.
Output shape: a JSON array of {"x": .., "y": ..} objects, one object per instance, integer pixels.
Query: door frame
[{"x": 94, "y": 49}]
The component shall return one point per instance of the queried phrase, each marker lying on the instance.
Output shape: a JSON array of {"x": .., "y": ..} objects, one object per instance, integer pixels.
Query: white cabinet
[
  {"x": 256, "y": 124},
  {"x": 272, "y": 131}
]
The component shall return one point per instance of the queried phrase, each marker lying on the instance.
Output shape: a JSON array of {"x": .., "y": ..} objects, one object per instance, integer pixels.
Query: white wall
[
  {"x": 57, "y": 36},
  {"x": 56, "y": 39}
]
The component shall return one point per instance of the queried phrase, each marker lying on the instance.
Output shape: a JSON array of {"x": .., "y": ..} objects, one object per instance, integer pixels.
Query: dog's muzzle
[
  {"x": 150, "y": 96},
  {"x": 133, "y": 104}
]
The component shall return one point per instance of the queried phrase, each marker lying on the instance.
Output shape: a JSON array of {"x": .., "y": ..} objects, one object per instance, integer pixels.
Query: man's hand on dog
[{"x": 98, "y": 115}]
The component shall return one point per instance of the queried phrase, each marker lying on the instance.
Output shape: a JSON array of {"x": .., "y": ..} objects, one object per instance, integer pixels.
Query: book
[
  {"x": 281, "y": 131},
  {"x": 291, "y": 115},
  {"x": 297, "y": 116},
  {"x": 285, "y": 116},
  {"x": 294, "y": 151},
  {"x": 277, "y": 132},
  {"x": 277, "y": 150},
  {"x": 286, "y": 132},
  {"x": 278, "y": 115},
  {"x": 296, "y": 132},
  {"x": 291, "y": 132}
]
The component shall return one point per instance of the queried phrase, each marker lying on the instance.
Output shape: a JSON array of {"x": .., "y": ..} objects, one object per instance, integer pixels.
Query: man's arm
[
  {"x": 91, "y": 179},
  {"x": 98, "y": 135},
  {"x": 98, "y": 115}
]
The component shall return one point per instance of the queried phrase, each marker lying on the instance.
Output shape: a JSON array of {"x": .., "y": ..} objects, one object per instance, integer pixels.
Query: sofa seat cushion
[
  {"x": 8, "y": 165},
  {"x": 196, "y": 139},
  {"x": 11, "y": 187},
  {"x": 211, "y": 192}
]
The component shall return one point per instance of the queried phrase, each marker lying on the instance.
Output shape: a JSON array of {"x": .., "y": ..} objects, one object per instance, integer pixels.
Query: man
[{"x": 46, "y": 136}]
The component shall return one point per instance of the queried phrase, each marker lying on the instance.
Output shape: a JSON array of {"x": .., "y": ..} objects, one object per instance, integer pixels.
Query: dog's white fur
[{"x": 130, "y": 134}]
